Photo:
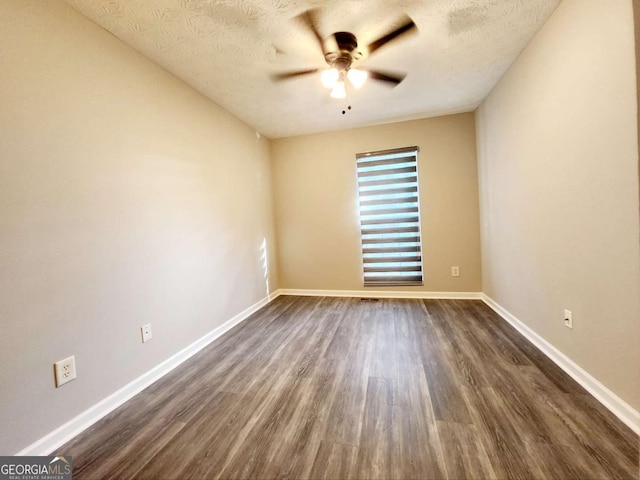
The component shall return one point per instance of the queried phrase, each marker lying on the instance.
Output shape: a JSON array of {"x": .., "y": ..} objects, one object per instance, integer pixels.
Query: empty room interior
[{"x": 304, "y": 239}]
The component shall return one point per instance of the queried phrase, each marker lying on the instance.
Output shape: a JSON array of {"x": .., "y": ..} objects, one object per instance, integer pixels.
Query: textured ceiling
[{"x": 228, "y": 50}]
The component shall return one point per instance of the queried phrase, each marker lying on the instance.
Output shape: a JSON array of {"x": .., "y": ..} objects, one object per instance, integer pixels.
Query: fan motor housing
[{"x": 347, "y": 51}]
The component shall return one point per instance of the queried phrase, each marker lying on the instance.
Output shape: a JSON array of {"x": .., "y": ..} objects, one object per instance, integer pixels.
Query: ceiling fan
[{"x": 341, "y": 53}]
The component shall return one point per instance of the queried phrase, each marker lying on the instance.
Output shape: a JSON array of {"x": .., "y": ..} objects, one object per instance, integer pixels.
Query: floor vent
[{"x": 369, "y": 299}]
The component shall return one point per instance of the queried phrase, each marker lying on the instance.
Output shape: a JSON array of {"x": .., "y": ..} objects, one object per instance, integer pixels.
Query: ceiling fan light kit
[{"x": 334, "y": 80}]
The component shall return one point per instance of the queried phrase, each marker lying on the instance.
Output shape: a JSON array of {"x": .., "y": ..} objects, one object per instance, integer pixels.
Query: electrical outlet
[
  {"x": 65, "y": 370},
  {"x": 568, "y": 319},
  {"x": 455, "y": 271},
  {"x": 146, "y": 332}
]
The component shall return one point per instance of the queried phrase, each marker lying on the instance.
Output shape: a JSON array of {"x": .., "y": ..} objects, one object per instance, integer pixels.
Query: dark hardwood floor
[{"x": 343, "y": 388}]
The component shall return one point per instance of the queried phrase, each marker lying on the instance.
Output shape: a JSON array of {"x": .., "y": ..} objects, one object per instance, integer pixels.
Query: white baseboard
[
  {"x": 75, "y": 426},
  {"x": 610, "y": 400},
  {"x": 380, "y": 294}
]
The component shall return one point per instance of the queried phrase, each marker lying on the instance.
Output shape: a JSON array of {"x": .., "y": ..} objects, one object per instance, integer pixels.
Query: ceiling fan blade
[
  {"x": 309, "y": 20},
  {"x": 287, "y": 75},
  {"x": 376, "y": 44},
  {"x": 394, "y": 78},
  {"x": 331, "y": 44}
]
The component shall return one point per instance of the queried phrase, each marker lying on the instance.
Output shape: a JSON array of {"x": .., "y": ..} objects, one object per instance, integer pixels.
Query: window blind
[{"x": 390, "y": 217}]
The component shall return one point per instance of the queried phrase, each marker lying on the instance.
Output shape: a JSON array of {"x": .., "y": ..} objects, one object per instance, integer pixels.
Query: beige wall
[
  {"x": 558, "y": 161},
  {"x": 317, "y": 217},
  {"x": 125, "y": 198}
]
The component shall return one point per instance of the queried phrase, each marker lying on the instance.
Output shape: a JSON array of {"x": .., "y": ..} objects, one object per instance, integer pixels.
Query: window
[{"x": 390, "y": 217}]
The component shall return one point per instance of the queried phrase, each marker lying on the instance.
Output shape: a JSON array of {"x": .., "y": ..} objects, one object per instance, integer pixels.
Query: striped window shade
[{"x": 390, "y": 217}]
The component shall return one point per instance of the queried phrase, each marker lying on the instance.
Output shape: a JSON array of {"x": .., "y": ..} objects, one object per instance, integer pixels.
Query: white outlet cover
[
  {"x": 568, "y": 319},
  {"x": 65, "y": 370},
  {"x": 455, "y": 271},
  {"x": 146, "y": 332}
]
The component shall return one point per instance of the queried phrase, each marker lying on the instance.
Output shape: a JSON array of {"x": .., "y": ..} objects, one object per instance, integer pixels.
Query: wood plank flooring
[{"x": 339, "y": 388}]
